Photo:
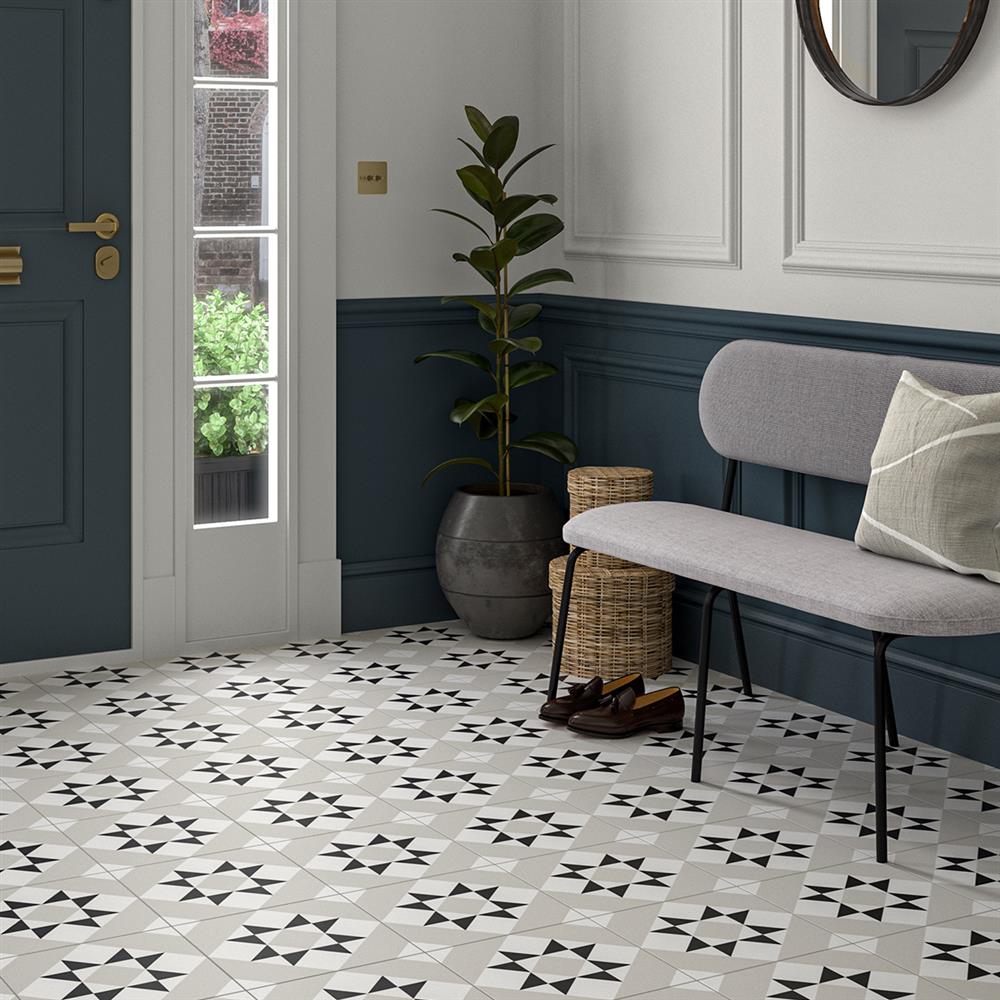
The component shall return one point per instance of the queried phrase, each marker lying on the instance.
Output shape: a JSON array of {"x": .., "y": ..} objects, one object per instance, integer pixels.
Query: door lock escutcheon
[
  {"x": 105, "y": 226},
  {"x": 107, "y": 262}
]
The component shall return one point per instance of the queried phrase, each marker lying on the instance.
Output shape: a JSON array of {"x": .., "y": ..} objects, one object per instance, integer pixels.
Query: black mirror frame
[{"x": 811, "y": 23}]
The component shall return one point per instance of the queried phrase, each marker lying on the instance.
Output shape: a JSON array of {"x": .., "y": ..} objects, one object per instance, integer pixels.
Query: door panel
[{"x": 65, "y": 365}]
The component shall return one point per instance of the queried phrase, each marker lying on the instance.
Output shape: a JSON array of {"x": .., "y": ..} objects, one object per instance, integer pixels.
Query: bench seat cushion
[{"x": 825, "y": 576}]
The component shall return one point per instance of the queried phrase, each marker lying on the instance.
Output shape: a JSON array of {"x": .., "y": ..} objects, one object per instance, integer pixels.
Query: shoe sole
[
  {"x": 620, "y": 734},
  {"x": 564, "y": 719}
]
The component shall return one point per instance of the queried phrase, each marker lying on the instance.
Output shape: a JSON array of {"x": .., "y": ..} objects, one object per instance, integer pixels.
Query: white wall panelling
[
  {"x": 874, "y": 197},
  {"x": 652, "y": 130}
]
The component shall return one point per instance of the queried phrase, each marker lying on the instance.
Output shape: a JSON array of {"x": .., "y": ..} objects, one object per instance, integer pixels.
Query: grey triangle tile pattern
[{"x": 383, "y": 815}]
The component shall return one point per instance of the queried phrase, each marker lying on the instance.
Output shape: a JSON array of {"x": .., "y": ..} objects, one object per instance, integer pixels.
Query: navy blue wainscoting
[{"x": 628, "y": 393}]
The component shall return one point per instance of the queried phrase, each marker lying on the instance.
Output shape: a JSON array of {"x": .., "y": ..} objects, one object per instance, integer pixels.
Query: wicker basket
[
  {"x": 600, "y": 485},
  {"x": 619, "y": 619}
]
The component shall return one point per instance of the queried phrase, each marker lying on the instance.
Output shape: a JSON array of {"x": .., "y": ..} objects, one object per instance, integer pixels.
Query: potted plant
[
  {"x": 230, "y": 422},
  {"x": 496, "y": 539}
]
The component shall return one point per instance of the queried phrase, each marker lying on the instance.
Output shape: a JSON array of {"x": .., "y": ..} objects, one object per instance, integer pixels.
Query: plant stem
[
  {"x": 506, "y": 376},
  {"x": 499, "y": 382}
]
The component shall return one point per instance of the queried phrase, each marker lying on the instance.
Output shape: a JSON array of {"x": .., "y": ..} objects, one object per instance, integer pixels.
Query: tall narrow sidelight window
[{"x": 237, "y": 231}]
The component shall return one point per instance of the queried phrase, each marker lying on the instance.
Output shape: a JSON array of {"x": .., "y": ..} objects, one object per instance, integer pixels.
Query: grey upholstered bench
[{"x": 815, "y": 411}]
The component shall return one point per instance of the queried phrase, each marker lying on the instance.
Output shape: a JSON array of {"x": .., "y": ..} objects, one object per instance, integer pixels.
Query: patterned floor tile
[
  {"x": 286, "y": 943},
  {"x": 420, "y": 977},
  {"x": 864, "y": 900},
  {"x": 196, "y": 668},
  {"x": 364, "y": 858},
  {"x": 731, "y": 930},
  {"x": 578, "y": 960},
  {"x": 74, "y": 911},
  {"x": 215, "y": 885},
  {"x": 142, "y": 838},
  {"x": 41, "y": 856},
  {"x": 962, "y": 956},
  {"x": 320, "y": 649},
  {"x": 833, "y": 975},
  {"x": 369, "y": 752},
  {"x": 125, "y": 968},
  {"x": 172, "y": 738},
  {"x": 461, "y": 907},
  {"x": 283, "y": 813},
  {"x": 16, "y": 814},
  {"x": 970, "y": 867},
  {"x": 614, "y": 876}
]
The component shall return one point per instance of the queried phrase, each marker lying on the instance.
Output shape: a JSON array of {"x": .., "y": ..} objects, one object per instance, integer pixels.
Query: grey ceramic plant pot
[{"x": 493, "y": 555}]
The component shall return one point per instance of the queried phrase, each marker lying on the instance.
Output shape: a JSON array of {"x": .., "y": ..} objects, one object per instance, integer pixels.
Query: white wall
[
  {"x": 706, "y": 161},
  {"x": 405, "y": 71}
]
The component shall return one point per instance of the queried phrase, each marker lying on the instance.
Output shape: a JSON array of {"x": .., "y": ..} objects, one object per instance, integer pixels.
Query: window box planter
[{"x": 231, "y": 488}]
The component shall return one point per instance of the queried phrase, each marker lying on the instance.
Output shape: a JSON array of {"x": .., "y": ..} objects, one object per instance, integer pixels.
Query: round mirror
[{"x": 890, "y": 51}]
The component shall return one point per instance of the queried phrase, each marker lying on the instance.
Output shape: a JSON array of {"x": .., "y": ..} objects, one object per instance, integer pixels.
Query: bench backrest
[{"x": 814, "y": 409}]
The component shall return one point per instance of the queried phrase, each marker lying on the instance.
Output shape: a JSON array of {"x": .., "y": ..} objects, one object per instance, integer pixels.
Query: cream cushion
[{"x": 934, "y": 492}]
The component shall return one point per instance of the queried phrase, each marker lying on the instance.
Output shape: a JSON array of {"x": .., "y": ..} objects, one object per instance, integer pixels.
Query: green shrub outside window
[{"x": 230, "y": 338}]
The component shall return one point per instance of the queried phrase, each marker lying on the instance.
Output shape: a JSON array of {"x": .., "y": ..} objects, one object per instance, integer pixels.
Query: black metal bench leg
[
  {"x": 741, "y": 646},
  {"x": 557, "y": 649},
  {"x": 890, "y": 711},
  {"x": 697, "y": 750},
  {"x": 882, "y": 641}
]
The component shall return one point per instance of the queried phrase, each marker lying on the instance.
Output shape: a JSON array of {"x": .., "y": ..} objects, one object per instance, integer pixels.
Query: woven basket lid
[{"x": 604, "y": 472}]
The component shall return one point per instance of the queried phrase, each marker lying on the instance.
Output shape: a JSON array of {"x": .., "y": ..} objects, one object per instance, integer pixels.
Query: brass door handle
[
  {"x": 105, "y": 226},
  {"x": 11, "y": 265}
]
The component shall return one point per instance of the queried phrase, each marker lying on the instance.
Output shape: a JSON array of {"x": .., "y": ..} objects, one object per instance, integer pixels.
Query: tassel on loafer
[
  {"x": 626, "y": 714},
  {"x": 581, "y": 697}
]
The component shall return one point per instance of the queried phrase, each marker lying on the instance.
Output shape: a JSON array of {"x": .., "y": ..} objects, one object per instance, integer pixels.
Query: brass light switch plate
[{"x": 373, "y": 177}]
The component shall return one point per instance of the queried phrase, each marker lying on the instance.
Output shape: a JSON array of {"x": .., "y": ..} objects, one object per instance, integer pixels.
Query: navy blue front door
[{"x": 65, "y": 390}]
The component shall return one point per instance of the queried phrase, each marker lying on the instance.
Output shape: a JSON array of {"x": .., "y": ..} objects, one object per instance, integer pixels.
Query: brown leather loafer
[
  {"x": 625, "y": 714},
  {"x": 580, "y": 697}
]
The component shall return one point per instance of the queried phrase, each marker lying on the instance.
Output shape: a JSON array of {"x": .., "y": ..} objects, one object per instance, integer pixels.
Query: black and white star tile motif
[
  {"x": 728, "y": 931},
  {"x": 524, "y": 827},
  {"x": 422, "y": 980},
  {"x": 373, "y": 672},
  {"x": 140, "y": 705},
  {"x": 976, "y": 795},
  {"x": 753, "y": 847},
  {"x": 194, "y": 735},
  {"x": 972, "y": 864},
  {"x": 157, "y": 963},
  {"x": 964, "y": 955},
  {"x": 250, "y": 769},
  {"x": 322, "y": 649},
  {"x": 363, "y": 858},
  {"x": 11, "y": 690},
  {"x": 815, "y": 726},
  {"x": 447, "y": 786},
  {"x": 497, "y": 731},
  {"x": 314, "y": 719},
  {"x": 545, "y": 765},
  {"x": 918, "y": 823},
  {"x": 54, "y": 754},
  {"x": 914, "y": 761},
  {"x": 88, "y": 792},
  {"x": 664, "y": 746},
  {"x": 782, "y": 781},
  {"x": 650, "y": 806},
  {"x": 589, "y": 970},
  {"x": 424, "y": 635},
  {"x": 295, "y": 812},
  {"x": 798, "y": 981},
  {"x": 30, "y": 857},
  {"x": 365, "y": 752},
  {"x": 472, "y": 904},
  {"x": 142, "y": 838},
  {"x": 437, "y": 700},
  {"x": 98, "y": 677},
  {"x": 269, "y": 689},
  {"x": 864, "y": 898},
  {"x": 523, "y": 682},
  {"x": 618, "y": 874},
  {"x": 17, "y": 722},
  {"x": 481, "y": 659},
  {"x": 287, "y": 942},
  {"x": 33, "y": 918},
  {"x": 209, "y": 663}
]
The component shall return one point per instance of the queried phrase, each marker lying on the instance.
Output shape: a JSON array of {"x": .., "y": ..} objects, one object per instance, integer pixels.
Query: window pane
[
  {"x": 230, "y": 453},
  {"x": 231, "y": 38},
  {"x": 231, "y": 157},
  {"x": 231, "y": 321}
]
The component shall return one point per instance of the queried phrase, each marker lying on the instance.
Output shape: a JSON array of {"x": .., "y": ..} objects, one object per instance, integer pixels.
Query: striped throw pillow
[{"x": 934, "y": 492}]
